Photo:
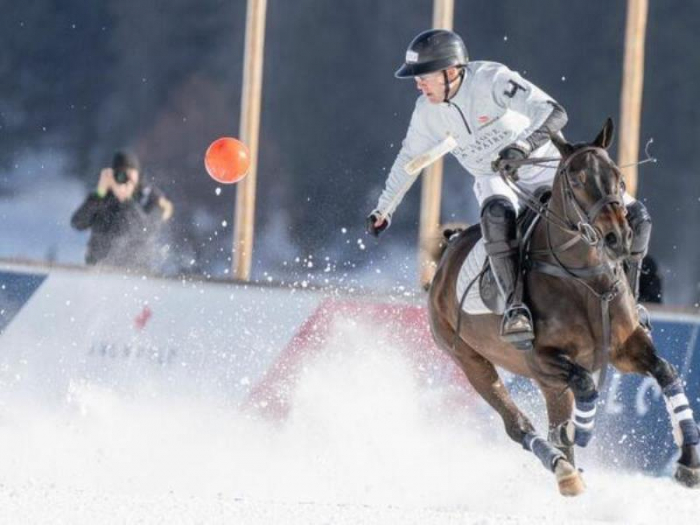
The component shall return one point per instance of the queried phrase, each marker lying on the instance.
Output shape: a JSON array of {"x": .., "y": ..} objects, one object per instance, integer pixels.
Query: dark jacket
[
  {"x": 650, "y": 284},
  {"x": 121, "y": 233}
]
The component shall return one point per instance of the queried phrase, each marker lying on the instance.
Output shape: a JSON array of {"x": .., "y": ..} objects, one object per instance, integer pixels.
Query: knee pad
[
  {"x": 498, "y": 225},
  {"x": 498, "y": 210},
  {"x": 640, "y": 222}
]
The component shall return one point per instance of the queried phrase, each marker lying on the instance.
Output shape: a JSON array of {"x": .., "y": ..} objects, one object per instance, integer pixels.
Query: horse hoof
[
  {"x": 569, "y": 479},
  {"x": 687, "y": 476}
]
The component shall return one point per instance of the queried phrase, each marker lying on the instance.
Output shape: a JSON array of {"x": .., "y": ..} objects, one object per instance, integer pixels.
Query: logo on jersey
[{"x": 515, "y": 87}]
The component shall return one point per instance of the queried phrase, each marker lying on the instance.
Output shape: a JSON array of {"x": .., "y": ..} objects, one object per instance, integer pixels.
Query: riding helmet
[{"x": 432, "y": 51}]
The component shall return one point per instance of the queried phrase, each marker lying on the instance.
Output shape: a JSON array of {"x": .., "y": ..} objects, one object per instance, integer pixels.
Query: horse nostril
[{"x": 611, "y": 240}]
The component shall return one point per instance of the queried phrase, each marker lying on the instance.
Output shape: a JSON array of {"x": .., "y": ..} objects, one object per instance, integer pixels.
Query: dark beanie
[{"x": 125, "y": 160}]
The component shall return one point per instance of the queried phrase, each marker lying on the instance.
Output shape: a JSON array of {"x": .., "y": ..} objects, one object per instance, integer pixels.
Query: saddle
[{"x": 488, "y": 292}]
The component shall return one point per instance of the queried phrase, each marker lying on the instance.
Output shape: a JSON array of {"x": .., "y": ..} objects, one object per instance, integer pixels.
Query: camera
[{"x": 120, "y": 177}]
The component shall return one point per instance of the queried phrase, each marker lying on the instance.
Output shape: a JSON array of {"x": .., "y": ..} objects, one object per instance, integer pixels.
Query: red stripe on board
[{"x": 407, "y": 327}]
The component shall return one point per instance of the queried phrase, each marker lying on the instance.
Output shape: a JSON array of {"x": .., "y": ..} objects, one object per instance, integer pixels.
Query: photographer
[{"x": 124, "y": 215}]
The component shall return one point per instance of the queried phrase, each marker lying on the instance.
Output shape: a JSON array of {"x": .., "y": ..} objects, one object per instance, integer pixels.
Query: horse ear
[
  {"x": 605, "y": 137},
  {"x": 564, "y": 147}
]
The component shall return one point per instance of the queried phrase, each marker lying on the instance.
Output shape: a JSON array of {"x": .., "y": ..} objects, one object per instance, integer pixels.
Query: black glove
[
  {"x": 371, "y": 228},
  {"x": 512, "y": 152}
]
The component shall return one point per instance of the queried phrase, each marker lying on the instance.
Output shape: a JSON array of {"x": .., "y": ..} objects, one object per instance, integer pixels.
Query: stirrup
[
  {"x": 516, "y": 326},
  {"x": 644, "y": 317}
]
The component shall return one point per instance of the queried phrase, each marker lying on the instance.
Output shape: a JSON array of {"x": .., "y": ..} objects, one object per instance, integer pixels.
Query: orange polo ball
[{"x": 227, "y": 160}]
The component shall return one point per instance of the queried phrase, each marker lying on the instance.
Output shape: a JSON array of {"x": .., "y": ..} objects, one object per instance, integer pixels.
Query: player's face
[{"x": 432, "y": 85}]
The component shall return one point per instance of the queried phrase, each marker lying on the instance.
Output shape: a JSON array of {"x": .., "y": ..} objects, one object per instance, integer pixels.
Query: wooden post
[
  {"x": 249, "y": 130},
  {"x": 431, "y": 185},
  {"x": 632, "y": 84}
]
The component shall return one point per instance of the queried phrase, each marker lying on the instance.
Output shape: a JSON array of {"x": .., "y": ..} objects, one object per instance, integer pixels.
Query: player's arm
[
  {"x": 546, "y": 115},
  {"x": 94, "y": 204},
  {"x": 156, "y": 201},
  {"x": 418, "y": 140}
]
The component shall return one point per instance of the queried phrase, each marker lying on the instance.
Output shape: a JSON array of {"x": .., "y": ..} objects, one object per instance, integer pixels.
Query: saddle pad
[{"x": 472, "y": 266}]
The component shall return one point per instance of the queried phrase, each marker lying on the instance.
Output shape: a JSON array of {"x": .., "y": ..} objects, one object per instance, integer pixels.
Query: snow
[{"x": 366, "y": 442}]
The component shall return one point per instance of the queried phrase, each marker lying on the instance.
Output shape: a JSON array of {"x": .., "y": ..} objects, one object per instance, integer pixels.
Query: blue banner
[
  {"x": 15, "y": 290},
  {"x": 633, "y": 426}
]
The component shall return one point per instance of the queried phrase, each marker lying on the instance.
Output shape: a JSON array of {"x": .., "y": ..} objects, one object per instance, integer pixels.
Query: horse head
[{"x": 589, "y": 188}]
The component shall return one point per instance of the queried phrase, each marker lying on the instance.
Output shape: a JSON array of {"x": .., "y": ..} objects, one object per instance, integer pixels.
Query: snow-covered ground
[{"x": 364, "y": 443}]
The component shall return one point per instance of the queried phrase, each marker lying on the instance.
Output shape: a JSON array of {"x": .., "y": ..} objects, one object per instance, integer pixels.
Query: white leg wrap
[
  {"x": 584, "y": 420},
  {"x": 685, "y": 431},
  {"x": 585, "y": 413},
  {"x": 675, "y": 426}
]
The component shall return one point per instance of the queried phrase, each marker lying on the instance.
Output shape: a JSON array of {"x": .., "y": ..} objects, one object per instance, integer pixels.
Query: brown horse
[{"x": 583, "y": 311}]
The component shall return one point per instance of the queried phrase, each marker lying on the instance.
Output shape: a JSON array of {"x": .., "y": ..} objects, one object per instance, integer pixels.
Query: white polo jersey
[{"x": 493, "y": 108}]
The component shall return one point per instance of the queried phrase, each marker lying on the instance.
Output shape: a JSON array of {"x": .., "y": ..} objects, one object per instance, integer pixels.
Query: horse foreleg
[
  {"x": 486, "y": 381},
  {"x": 582, "y": 384},
  {"x": 566, "y": 380},
  {"x": 639, "y": 355},
  {"x": 569, "y": 479},
  {"x": 561, "y": 428}
]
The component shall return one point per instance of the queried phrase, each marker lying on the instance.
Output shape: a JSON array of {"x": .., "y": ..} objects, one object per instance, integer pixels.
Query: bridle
[
  {"x": 585, "y": 225},
  {"x": 583, "y": 228}
]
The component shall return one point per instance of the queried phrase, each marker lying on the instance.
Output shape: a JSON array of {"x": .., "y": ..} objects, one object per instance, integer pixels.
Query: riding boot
[
  {"x": 640, "y": 222},
  {"x": 633, "y": 270},
  {"x": 498, "y": 227},
  {"x": 516, "y": 326}
]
